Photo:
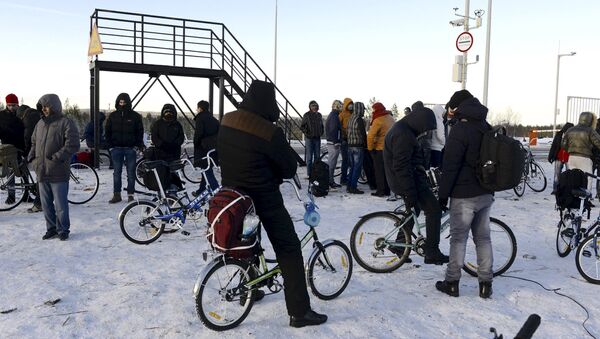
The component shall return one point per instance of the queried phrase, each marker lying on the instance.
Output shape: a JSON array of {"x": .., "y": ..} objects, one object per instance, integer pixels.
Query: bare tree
[
  {"x": 509, "y": 119},
  {"x": 395, "y": 112}
]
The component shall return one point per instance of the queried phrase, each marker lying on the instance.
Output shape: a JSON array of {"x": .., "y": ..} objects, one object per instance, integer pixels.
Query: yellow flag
[{"x": 95, "y": 47}]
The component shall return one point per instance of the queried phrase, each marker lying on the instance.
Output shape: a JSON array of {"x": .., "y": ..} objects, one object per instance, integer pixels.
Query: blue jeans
[
  {"x": 356, "y": 155},
  {"x": 345, "y": 162},
  {"x": 53, "y": 196},
  {"x": 313, "y": 152},
  {"x": 119, "y": 156},
  {"x": 470, "y": 214}
]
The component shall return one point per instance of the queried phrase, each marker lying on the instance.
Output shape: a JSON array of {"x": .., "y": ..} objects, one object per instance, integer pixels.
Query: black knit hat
[
  {"x": 204, "y": 105},
  {"x": 457, "y": 98}
]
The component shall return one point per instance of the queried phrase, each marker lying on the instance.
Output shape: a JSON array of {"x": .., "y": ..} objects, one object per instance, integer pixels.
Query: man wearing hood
[
  {"x": 426, "y": 138},
  {"x": 357, "y": 142},
  {"x": 312, "y": 127},
  {"x": 347, "y": 109},
  {"x": 558, "y": 154},
  {"x": 255, "y": 157},
  {"x": 205, "y": 139},
  {"x": 471, "y": 203},
  {"x": 167, "y": 134},
  {"x": 381, "y": 122},
  {"x": 123, "y": 131},
  {"x": 405, "y": 172},
  {"x": 580, "y": 142},
  {"x": 333, "y": 131},
  {"x": 54, "y": 141}
]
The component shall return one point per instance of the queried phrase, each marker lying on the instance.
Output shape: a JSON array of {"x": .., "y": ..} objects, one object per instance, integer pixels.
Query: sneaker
[
  {"x": 310, "y": 318},
  {"x": 115, "y": 199},
  {"x": 436, "y": 258},
  {"x": 130, "y": 197},
  {"x": 63, "y": 236},
  {"x": 34, "y": 209},
  {"x": 49, "y": 235},
  {"x": 485, "y": 289},
  {"x": 448, "y": 287}
]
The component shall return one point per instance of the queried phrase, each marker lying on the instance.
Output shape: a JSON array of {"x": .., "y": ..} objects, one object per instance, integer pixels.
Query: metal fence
[{"x": 576, "y": 105}]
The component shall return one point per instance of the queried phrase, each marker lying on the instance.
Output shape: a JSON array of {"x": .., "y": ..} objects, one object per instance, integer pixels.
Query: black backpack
[
  {"x": 501, "y": 161},
  {"x": 319, "y": 178},
  {"x": 567, "y": 182}
]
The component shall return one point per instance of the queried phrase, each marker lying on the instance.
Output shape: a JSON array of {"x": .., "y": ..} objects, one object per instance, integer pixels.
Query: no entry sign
[{"x": 464, "y": 42}]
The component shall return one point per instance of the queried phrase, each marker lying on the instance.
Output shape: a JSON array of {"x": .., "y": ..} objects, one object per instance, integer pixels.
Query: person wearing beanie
[
  {"x": 470, "y": 203},
  {"x": 312, "y": 127},
  {"x": 123, "y": 133},
  {"x": 205, "y": 139},
  {"x": 11, "y": 133},
  {"x": 357, "y": 143},
  {"x": 347, "y": 109},
  {"x": 167, "y": 134},
  {"x": 256, "y": 157},
  {"x": 381, "y": 122},
  {"x": 333, "y": 132},
  {"x": 54, "y": 141}
]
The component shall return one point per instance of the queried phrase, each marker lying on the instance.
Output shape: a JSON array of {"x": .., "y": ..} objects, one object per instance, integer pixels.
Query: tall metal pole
[
  {"x": 465, "y": 62},
  {"x": 275, "y": 58},
  {"x": 486, "y": 71},
  {"x": 556, "y": 94}
]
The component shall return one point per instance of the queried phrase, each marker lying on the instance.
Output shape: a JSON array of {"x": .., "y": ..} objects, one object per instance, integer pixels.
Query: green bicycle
[
  {"x": 225, "y": 289},
  {"x": 382, "y": 241}
]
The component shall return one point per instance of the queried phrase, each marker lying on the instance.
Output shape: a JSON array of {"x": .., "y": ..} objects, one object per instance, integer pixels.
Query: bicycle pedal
[
  {"x": 185, "y": 232},
  {"x": 569, "y": 232},
  {"x": 586, "y": 253}
]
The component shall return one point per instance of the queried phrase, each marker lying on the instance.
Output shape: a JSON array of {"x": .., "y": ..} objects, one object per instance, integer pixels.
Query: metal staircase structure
[{"x": 162, "y": 47}]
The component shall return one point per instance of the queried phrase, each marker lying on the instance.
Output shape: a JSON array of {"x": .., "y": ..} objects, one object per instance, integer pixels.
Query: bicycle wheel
[
  {"x": 564, "y": 233},
  {"x": 329, "y": 270},
  {"x": 370, "y": 241},
  {"x": 537, "y": 179},
  {"x": 520, "y": 188},
  {"x": 191, "y": 173},
  {"x": 140, "y": 222},
  {"x": 83, "y": 183},
  {"x": 222, "y": 301},
  {"x": 587, "y": 259},
  {"x": 504, "y": 245},
  {"x": 139, "y": 172},
  {"x": 13, "y": 190}
]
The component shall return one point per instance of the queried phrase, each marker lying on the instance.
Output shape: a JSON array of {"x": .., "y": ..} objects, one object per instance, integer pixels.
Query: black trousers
[
  {"x": 369, "y": 170},
  {"x": 278, "y": 224},
  {"x": 380, "y": 179},
  {"x": 433, "y": 214}
]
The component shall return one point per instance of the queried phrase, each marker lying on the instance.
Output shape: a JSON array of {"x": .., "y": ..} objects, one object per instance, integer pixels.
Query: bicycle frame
[{"x": 445, "y": 223}]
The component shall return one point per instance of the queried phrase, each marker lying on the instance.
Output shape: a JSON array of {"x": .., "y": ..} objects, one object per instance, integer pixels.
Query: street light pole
[
  {"x": 556, "y": 91},
  {"x": 465, "y": 62},
  {"x": 275, "y": 57},
  {"x": 486, "y": 71}
]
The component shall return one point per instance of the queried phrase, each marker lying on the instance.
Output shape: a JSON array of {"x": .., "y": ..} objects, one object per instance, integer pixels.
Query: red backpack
[{"x": 226, "y": 214}]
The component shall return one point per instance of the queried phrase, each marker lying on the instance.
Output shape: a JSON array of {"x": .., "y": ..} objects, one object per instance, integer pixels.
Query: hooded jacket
[
  {"x": 312, "y": 124},
  {"x": 357, "y": 132},
  {"x": 438, "y": 137},
  {"x": 333, "y": 128},
  {"x": 382, "y": 122},
  {"x": 462, "y": 152},
  {"x": 557, "y": 141},
  {"x": 167, "y": 135},
  {"x": 345, "y": 117},
  {"x": 12, "y": 129},
  {"x": 55, "y": 139},
  {"x": 582, "y": 139},
  {"x": 403, "y": 157},
  {"x": 205, "y": 137},
  {"x": 124, "y": 126},
  {"x": 253, "y": 152}
]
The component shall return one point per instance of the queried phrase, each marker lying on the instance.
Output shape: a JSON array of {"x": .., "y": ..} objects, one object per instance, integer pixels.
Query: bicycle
[
  {"x": 144, "y": 221},
  {"x": 83, "y": 185},
  {"x": 533, "y": 176},
  {"x": 225, "y": 288},
  {"x": 381, "y": 242}
]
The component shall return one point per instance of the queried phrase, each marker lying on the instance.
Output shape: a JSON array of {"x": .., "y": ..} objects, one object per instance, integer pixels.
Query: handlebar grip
[{"x": 529, "y": 327}]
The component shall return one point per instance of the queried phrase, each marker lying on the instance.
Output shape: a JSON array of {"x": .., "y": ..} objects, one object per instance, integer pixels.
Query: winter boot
[
  {"x": 49, "y": 235},
  {"x": 436, "y": 257},
  {"x": 115, "y": 199},
  {"x": 310, "y": 318},
  {"x": 485, "y": 289},
  {"x": 448, "y": 287}
]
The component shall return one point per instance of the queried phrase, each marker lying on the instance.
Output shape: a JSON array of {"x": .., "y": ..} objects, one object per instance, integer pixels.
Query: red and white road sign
[{"x": 464, "y": 42}]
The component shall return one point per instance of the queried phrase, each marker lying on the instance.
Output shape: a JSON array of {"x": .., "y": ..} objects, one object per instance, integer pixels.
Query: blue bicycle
[{"x": 143, "y": 221}]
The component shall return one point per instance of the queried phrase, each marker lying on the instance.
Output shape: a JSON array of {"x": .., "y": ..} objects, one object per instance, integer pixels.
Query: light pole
[
  {"x": 486, "y": 71},
  {"x": 275, "y": 57},
  {"x": 556, "y": 92}
]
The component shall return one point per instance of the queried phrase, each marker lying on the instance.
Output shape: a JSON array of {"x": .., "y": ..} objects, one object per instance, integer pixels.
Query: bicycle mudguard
[{"x": 205, "y": 271}]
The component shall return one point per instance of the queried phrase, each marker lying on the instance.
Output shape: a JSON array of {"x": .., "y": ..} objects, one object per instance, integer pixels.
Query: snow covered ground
[{"x": 110, "y": 287}]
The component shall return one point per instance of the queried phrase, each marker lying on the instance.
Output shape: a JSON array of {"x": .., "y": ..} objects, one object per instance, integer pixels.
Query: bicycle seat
[
  {"x": 581, "y": 193},
  {"x": 150, "y": 165}
]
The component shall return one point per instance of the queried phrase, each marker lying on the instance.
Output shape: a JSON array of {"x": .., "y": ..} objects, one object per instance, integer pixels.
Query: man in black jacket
[
  {"x": 255, "y": 157},
  {"x": 30, "y": 118},
  {"x": 470, "y": 205},
  {"x": 312, "y": 127},
  {"x": 405, "y": 172},
  {"x": 11, "y": 133},
  {"x": 123, "y": 131},
  {"x": 554, "y": 154},
  {"x": 205, "y": 139},
  {"x": 167, "y": 134}
]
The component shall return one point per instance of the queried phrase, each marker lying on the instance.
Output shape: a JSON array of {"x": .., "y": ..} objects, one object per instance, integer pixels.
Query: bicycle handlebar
[{"x": 529, "y": 328}]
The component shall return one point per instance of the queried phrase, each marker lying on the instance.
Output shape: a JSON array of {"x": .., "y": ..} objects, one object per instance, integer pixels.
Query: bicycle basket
[{"x": 9, "y": 160}]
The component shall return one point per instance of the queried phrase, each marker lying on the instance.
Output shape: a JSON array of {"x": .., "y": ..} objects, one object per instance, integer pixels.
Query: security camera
[{"x": 457, "y": 22}]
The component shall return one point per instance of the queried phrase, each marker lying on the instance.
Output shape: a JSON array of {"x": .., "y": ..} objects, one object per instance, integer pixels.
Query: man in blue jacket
[{"x": 333, "y": 133}]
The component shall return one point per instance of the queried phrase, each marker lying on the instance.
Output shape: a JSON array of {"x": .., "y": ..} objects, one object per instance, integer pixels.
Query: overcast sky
[{"x": 398, "y": 51}]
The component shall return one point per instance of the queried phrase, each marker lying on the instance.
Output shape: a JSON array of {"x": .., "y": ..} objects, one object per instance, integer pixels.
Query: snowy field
[{"x": 111, "y": 288}]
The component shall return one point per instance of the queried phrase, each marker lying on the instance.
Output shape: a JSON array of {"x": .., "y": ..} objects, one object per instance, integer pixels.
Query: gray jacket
[
  {"x": 581, "y": 139},
  {"x": 54, "y": 141}
]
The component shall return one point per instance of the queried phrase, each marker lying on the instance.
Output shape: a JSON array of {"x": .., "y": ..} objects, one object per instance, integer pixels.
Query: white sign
[{"x": 464, "y": 42}]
